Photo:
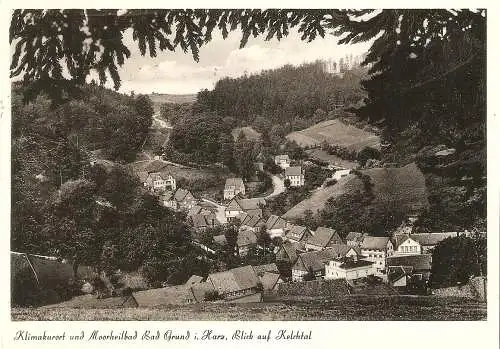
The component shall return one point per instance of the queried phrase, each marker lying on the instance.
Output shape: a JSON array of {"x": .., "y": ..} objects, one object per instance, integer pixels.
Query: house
[
  {"x": 405, "y": 244},
  {"x": 355, "y": 239},
  {"x": 429, "y": 240},
  {"x": 245, "y": 241},
  {"x": 314, "y": 262},
  {"x": 266, "y": 268},
  {"x": 297, "y": 233},
  {"x": 322, "y": 238},
  {"x": 340, "y": 173},
  {"x": 251, "y": 222},
  {"x": 233, "y": 187},
  {"x": 275, "y": 226},
  {"x": 401, "y": 268},
  {"x": 348, "y": 269},
  {"x": 198, "y": 209},
  {"x": 202, "y": 222},
  {"x": 238, "y": 206},
  {"x": 156, "y": 177},
  {"x": 270, "y": 281},
  {"x": 289, "y": 252},
  {"x": 282, "y": 161},
  {"x": 167, "y": 200},
  {"x": 185, "y": 200},
  {"x": 235, "y": 283},
  {"x": 200, "y": 290},
  {"x": 377, "y": 249},
  {"x": 295, "y": 175}
]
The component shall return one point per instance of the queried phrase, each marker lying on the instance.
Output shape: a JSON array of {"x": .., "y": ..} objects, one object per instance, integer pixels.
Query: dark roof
[
  {"x": 317, "y": 259},
  {"x": 181, "y": 194},
  {"x": 417, "y": 262},
  {"x": 293, "y": 171},
  {"x": 246, "y": 204},
  {"x": 295, "y": 232},
  {"x": 233, "y": 280},
  {"x": 290, "y": 250},
  {"x": 374, "y": 243},
  {"x": 275, "y": 222},
  {"x": 431, "y": 239},
  {"x": 349, "y": 263},
  {"x": 204, "y": 221},
  {"x": 265, "y": 268},
  {"x": 245, "y": 238},
  {"x": 322, "y": 237}
]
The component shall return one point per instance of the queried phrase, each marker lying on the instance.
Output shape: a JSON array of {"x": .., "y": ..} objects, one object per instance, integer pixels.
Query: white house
[
  {"x": 159, "y": 181},
  {"x": 405, "y": 245},
  {"x": 377, "y": 249},
  {"x": 348, "y": 269},
  {"x": 233, "y": 187},
  {"x": 338, "y": 174},
  {"x": 282, "y": 161},
  {"x": 295, "y": 175},
  {"x": 275, "y": 226}
]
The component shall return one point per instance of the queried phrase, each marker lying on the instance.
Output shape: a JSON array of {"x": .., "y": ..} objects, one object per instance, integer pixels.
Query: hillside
[
  {"x": 335, "y": 132},
  {"x": 402, "y": 187},
  {"x": 249, "y": 133}
]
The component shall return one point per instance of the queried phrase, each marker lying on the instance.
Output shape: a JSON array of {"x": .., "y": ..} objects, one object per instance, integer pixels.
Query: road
[
  {"x": 220, "y": 214},
  {"x": 278, "y": 186},
  {"x": 160, "y": 123}
]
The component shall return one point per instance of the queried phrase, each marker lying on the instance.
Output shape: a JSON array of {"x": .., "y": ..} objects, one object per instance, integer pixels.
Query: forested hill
[{"x": 284, "y": 94}]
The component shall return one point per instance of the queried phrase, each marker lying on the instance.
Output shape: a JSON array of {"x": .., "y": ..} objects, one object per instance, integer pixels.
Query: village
[{"x": 292, "y": 255}]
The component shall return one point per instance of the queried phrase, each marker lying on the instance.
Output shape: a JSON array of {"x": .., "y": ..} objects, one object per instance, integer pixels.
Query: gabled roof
[
  {"x": 293, "y": 171},
  {"x": 203, "y": 221},
  {"x": 245, "y": 238},
  {"x": 237, "y": 182},
  {"x": 399, "y": 239},
  {"x": 315, "y": 260},
  {"x": 340, "y": 250},
  {"x": 181, "y": 194},
  {"x": 350, "y": 263},
  {"x": 296, "y": 232},
  {"x": 269, "y": 280},
  {"x": 322, "y": 237},
  {"x": 417, "y": 262},
  {"x": 275, "y": 222},
  {"x": 290, "y": 250},
  {"x": 374, "y": 243},
  {"x": 265, "y": 268},
  {"x": 194, "y": 279},
  {"x": 431, "y": 239},
  {"x": 251, "y": 221},
  {"x": 199, "y": 290},
  {"x": 237, "y": 279}
]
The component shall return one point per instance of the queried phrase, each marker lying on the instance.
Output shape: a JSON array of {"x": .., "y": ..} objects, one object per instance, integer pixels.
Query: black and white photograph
[{"x": 248, "y": 165}]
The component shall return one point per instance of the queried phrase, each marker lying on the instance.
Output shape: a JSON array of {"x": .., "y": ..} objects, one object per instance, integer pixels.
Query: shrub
[{"x": 212, "y": 296}]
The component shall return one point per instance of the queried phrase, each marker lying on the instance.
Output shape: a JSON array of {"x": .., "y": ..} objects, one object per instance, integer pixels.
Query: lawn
[
  {"x": 347, "y": 308},
  {"x": 335, "y": 132},
  {"x": 320, "y": 154}
]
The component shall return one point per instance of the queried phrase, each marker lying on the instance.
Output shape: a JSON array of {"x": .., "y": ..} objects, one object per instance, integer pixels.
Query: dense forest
[{"x": 284, "y": 94}]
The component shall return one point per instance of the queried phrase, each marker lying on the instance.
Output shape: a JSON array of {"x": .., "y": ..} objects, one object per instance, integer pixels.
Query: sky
[{"x": 178, "y": 73}]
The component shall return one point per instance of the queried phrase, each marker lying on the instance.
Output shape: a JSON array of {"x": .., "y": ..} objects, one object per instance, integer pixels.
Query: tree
[
  {"x": 455, "y": 260},
  {"x": 368, "y": 153},
  {"x": 287, "y": 183}
]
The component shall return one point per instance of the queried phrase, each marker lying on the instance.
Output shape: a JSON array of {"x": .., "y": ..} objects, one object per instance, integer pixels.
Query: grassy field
[
  {"x": 399, "y": 187},
  {"x": 349, "y": 308},
  {"x": 316, "y": 202},
  {"x": 335, "y": 132}
]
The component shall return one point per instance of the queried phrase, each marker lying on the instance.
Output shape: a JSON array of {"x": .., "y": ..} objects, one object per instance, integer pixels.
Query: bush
[
  {"x": 330, "y": 182},
  {"x": 212, "y": 296}
]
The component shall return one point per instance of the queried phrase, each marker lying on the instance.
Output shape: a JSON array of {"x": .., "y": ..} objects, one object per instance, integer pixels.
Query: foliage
[
  {"x": 455, "y": 260},
  {"x": 173, "y": 112},
  {"x": 203, "y": 136},
  {"x": 315, "y": 176},
  {"x": 212, "y": 295},
  {"x": 367, "y": 153},
  {"x": 281, "y": 203}
]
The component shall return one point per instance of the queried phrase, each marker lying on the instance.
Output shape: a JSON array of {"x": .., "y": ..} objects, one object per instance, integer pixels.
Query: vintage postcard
[{"x": 179, "y": 176}]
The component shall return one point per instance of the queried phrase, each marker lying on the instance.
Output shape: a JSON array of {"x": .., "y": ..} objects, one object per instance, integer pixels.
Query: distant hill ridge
[{"x": 159, "y": 98}]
